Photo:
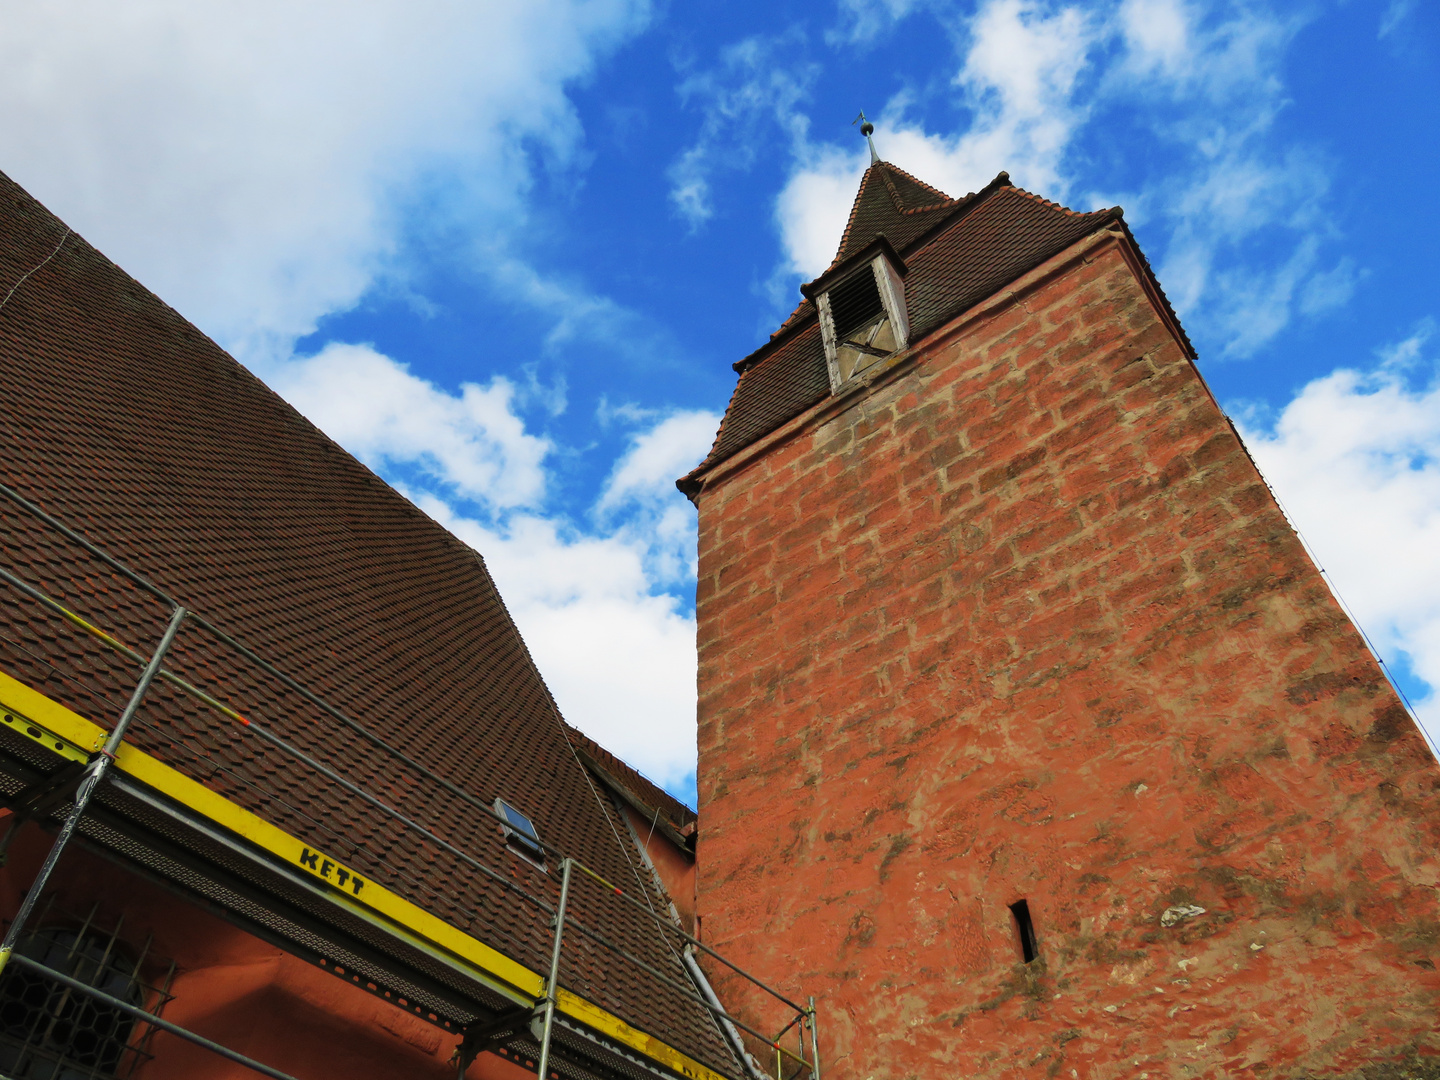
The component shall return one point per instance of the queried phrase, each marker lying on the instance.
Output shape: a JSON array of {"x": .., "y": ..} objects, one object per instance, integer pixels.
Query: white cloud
[
  {"x": 1025, "y": 60},
  {"x": 1394, "y": 16},
  {"x": 386, "y": 416},
  {"x": 814, "y": 206},
  {"x": 252, "y": 161},
  {"x": 616, "y": 650},
  {"x": 1157, "y": 33},
  {"x": 641, "y": 492},
  {"x": 1253, "y": 304},
  {"x": 1045, "y": 86},
  {"x": 862, "y": 20},
  {"x": 1330, "y": 288},
  {"x": 1355, "y": 457},
  {"x": 750, "y": 85},
  {"x": 1245, "y": 216},
  {"x": 656, "y": 457},
  {"x": 618, "y": 656}
]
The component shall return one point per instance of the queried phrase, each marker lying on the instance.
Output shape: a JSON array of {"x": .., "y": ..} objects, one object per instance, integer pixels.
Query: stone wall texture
[{"x": 1022, "y": 621}]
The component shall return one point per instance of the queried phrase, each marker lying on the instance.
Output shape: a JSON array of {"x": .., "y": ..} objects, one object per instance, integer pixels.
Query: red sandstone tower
[{"x": 1028, "y": 731}]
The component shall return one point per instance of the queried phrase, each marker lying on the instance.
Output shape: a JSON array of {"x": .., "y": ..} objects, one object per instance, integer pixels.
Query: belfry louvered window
[{"x": 862, "y": 319}]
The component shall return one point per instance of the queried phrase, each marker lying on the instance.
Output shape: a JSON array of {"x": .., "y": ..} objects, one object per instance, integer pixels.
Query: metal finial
[{"x": 867, "y": 129}]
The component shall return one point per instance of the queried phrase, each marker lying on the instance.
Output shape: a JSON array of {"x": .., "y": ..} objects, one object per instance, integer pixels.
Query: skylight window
[{"x": 520, "y": 834}]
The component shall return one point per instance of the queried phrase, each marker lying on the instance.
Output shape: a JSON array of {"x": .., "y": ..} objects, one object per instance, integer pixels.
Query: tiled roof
[
  {"x": 643, "y": 793},
  {"x": 893, "y": 204},
  {"x": 958, "y": 252},
  {"x": 127, "y": 423}
]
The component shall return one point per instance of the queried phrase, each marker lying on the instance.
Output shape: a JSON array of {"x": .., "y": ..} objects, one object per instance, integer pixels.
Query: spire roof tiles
[{"x": 958, "y": 252}]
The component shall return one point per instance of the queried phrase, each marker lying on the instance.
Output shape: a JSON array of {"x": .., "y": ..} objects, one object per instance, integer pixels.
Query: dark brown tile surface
[
  {"x": 958, "y": 252},
  {"x": 674, "y": 811},
  {"x": 126, "y": 422}
]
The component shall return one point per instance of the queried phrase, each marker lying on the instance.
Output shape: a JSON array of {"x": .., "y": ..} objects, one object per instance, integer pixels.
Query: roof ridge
[
  {"x": 921, "y": 183},
  {"x": 930, "y": 206},
  {"x": 1057, "y": 206},
  {"x": 899, "y": 200},
  {"x": 890, "y": 187}
]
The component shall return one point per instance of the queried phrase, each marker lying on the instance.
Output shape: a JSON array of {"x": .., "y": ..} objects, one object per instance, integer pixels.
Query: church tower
[{"x": 1029, "y": 733}]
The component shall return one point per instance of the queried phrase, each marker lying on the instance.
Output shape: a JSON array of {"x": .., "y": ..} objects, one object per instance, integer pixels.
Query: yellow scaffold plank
[{"x": 58, "y": 729}]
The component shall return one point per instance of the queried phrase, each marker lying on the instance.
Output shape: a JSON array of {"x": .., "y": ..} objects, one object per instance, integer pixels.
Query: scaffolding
[{"x": 563, "y": 1020}]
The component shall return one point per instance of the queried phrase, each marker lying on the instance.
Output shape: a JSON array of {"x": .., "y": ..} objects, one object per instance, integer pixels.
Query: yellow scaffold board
[{"x": 58, "y": 729}]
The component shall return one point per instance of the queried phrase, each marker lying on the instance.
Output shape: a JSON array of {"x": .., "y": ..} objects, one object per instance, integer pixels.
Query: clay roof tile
[
  {"x": 958, "y": 252},
  {"x": 126, "y": 422}
]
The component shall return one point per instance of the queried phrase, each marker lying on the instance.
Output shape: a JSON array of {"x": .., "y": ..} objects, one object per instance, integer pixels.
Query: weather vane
[{"x": 867, "y": 129}]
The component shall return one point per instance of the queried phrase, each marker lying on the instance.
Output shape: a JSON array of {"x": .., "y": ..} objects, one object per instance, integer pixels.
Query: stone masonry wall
[{"x": 1023, "y": 622}]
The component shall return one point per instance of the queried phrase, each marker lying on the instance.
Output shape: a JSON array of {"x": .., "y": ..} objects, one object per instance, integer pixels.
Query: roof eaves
[
  {"x": 792, "y": 326},
  {"x": 879, "y": 246},
  {"x": 659, "y": 821},
  {"x": 1152, "y": 283}
]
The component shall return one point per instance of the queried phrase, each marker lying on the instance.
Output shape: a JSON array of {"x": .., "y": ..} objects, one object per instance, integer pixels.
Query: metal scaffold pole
[
  {"x": 552, "y": 985},
  {"x": 94, "y": 773},
  {"x": 814, "y": 1043},
  {"x": 79, "y": 780}
]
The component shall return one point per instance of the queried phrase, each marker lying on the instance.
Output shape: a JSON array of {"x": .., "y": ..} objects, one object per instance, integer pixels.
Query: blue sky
[{"x": 506, "y": 253}]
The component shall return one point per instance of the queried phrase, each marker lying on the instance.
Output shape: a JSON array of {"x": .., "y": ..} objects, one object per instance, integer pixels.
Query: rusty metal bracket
[{"x": 480, "y": 1037}]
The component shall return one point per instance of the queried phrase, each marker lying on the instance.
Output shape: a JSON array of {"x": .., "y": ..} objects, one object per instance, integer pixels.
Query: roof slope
[
  {"x": 637, "y": 789},
  {"x": 127, "y": 423},
  {"x": 893, "y": 204},
  {"x": 958, "y": 252}
]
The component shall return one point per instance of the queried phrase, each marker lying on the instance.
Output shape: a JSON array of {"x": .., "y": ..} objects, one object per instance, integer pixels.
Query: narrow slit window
[
  {"x": 1026, "y": 929},
  {"x": 520, "y": 834}
]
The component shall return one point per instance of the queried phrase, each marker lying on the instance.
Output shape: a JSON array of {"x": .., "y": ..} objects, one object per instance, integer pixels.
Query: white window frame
[{"x": 892, "y": 298}]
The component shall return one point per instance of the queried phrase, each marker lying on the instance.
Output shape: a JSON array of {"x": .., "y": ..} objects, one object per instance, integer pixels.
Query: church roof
[
  {"x": 893, "y": 204},
  {"x": 669, "y": 814},
  {"x": 127, "y": 423},
  {"x": 957, "y": 251}
]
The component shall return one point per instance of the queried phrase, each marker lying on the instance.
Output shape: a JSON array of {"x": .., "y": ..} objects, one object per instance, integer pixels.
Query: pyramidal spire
[
  {"x": 868, "y": 130},
  {"x": 889, "y": 203}
]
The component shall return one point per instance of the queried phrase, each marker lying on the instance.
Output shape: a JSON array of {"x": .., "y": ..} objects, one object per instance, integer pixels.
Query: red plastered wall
[
  {"x": 233, "y": 988},
  {"x": 1023, "y": 622},
  {"x": 675, "y": 868}
]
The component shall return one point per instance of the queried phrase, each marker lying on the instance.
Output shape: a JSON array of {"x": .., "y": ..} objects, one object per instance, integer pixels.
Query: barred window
[{"x": 50, "y": 1032}]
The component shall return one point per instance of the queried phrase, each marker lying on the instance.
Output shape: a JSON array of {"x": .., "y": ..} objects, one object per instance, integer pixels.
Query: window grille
[{"x": 49, "y": 1032}]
